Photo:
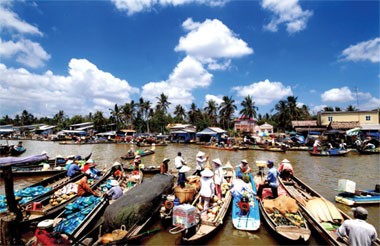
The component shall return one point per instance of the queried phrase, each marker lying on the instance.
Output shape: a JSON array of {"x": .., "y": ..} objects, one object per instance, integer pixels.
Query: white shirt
[
  {"x": 359, "y": 232},
  {"x": 218, "y": 176},
  {"x": 200, "y": 163},
  {"x": 207, "y": 187},
  {"x": 179, "y": 161}
]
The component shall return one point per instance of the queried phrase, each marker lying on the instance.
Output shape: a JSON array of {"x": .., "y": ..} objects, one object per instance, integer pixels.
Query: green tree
[
  {"x": 328, "y": 109},
  {"x": 116, "y": 116},
  {"x": 282, "y": 115},
  {"x": 99, "y": 121},
  {"x": 211, "y": 111},
  {"x": 226, "y": 111},
  {"x": 351, "y": 108},
  {"x": 163, "y": 103},
  {"x": 179, "y": 113},
  {"x": 249, "y": 108},
  {"x": 192, "y": 114},
  {"x": 129, "y": 113}
]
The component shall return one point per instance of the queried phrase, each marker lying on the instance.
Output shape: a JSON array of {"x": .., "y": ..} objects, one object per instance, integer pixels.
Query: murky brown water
[{"x": 321, "y": 173}]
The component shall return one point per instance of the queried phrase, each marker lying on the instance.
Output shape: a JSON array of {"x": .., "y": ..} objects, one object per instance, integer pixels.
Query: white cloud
[
  {"x": 287, "y": 12},
  {"x": 187, "y": 76},
  {"x": 10, "y": 21},
  {"x": 211, "y": 40},
  {"x": 135, "y": 6},
  {"x": 314, "y": 110},
  {"x": 217, "y": 98},
  {"x": 371, "y": 104},
  {"x": 343, "y": 94},
  {"x": 25, "y": 51},
  {"x": 363, "y": 51},
  {"x": 84, "y": 90},
  {"x": 264, "y": 92}
]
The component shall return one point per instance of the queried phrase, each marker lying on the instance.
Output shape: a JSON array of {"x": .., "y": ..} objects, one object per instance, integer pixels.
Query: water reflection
[{"x": 321, "y": 173}]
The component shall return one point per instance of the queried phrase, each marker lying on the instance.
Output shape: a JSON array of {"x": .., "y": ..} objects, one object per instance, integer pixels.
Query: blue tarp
[{"x": 23, "y": 160}]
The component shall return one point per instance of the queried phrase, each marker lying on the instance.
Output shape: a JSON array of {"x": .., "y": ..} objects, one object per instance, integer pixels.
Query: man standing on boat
[
  {"x": 271, "y": 181},
  {"x": 179, "y": 161},
  {"x": 358, "y": 231},
  {"x": 201, "y": 160}
]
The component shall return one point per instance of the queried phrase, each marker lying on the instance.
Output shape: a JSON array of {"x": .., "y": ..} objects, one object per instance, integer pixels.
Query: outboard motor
[{"x": 244, "y": 205}]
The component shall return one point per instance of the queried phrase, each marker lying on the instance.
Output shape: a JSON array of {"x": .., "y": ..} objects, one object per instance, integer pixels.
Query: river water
[{"x": 320, "y": 173}]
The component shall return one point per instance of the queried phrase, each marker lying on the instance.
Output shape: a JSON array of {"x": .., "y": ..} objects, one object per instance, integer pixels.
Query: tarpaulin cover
[
  {"x": 23, "y": 160},
  {"x": 138, "y": 204}
]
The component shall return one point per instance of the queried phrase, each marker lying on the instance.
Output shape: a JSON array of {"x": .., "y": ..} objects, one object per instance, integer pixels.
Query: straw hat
[
  {"x": 114, "y": 183},
  {"x": 166, "y": 160},
  {"x": 207, "y": 173},
  {"x": 285, "y": 161},
  {"x": 184, "y": 169},
  {"x": 137, "y": 157},
  {"x": 90, "y": 161},
  {"x": 200, "y": 153},
  {"x": 116, "y": 164},
  {"x": 244, "y": 161},
  {"x": 217, "y": 161}
]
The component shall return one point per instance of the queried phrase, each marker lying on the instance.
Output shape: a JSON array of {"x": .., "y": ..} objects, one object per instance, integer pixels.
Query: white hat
[
  {"x": 116, "y": 164},
  {"x": 244, "y": 161},
  {"x": 217, "y": 161},
  {"x": 207, "y": 173},
  {"x": 90, "y": 161},
  {"x": 69, "y": 162},
  {"x": 165, "y": 160},
  {"x": 58, "y": 156},
  {"x": 114, "y": 182},
  {"x": 137, "y": 156},
  {"x": 285, "y": 161},
  {"x": 184, "y": 169},
  {"x": 200, "y": 153}
]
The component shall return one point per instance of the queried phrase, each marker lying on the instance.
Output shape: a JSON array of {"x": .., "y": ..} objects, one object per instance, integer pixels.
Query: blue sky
[{"x": 84, "y": 56}]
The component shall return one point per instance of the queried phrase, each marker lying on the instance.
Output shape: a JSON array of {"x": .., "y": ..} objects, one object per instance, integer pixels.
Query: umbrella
[{"x": 353, "y": 132}]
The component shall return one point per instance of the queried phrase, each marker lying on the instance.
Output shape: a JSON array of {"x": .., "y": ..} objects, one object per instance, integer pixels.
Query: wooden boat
[
  {"x": 350, "y": 196},
  {"x": 17, "y": 150},
  {"x": 220, "y": 148},
  {"x": 268, "y": 148},
  {"x": 246, "y": 213},
  {"x": 75, "y": 223},
  {"x": 145, "y": 169},
  {"x": 320, "y": 213},
  {"x": 204, "y": 227},
  {"x": 52, "y": 204},
  {"x": 331, "y": 153},
  {"x": 47, "y": 186},
  {"x": 369, "y": 151},
  {"x": 142, "y": 153},
  {"x": 290, "y": 225}
]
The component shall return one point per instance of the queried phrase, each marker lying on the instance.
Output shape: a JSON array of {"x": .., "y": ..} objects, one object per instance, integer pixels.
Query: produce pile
[
  {"x": 65, "y": 193},
  {"x": 75, "y": 213}
]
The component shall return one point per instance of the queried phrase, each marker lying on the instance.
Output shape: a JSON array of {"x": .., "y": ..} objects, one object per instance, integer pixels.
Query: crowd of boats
[{"x": 57, "y": 215}]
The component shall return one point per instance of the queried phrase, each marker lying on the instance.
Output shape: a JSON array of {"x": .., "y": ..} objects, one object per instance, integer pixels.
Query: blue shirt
[
  {"x": 272, "y": 177},
  {"x": 73, "y": 170},
  {"x": 115, "y": 192}
]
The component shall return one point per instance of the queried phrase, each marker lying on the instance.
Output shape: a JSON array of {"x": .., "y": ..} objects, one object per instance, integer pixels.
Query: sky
[{"x": 87, "y": 56}]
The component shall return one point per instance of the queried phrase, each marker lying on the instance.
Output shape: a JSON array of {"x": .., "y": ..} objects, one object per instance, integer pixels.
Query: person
[
  {"x": 73, "y": 170},
  {"x": 19, "y": 146},
  {"x": 179, "y": 161},
  {"x": 358, "y": 231},
  {"x": 271, "y": 181},
  {"x": 87, "y": 165},
  {"x": 207, "y": 187},
  {"x": 369, "y": 146},
  {"x": 286, "y": 169},
  {"x": 136, "y": 162},
  {"x": 315, "y": 146},
  {"x": 201, "y": 160},
  {"x": 218, "y": 177},
  {"x": 117, "y": 174},
  {"x": 115, "y": 192},
  {"x": 181, "y": 181},
  {"x": 93, "y": 172},
  {"x": 164, "y": 166},
  {"x": 84, "y": 189},
  {"x": 342, "y": 145},
  {"x": 243, "y": 169}
]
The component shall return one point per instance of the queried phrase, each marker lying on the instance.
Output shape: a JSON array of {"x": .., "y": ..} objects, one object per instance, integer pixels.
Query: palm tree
[
  {"x": 249, "y": 109},
  {"x": 163, "y": 103},
  {"x": 226, "y": 111},
  {"x": 129, "y": 110},
  {"x": 179, "y": 113},
  {"x": 294, "y": 111},
  {"x": 116, "y": 114},
  {"x": 328, "y": 109},
  {"x": 211, "y": 111},
  {"x": 145, "y": 109},
  {"x": 351, "y": 108},
  {"x": 282, "y": 113},
  {"x": 99, "y": 121},
  {"x": 192, "y": 114}
]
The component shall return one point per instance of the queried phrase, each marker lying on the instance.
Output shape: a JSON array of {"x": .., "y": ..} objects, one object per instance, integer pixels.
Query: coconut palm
[
  {"x": 211, "y": 111},
  {"x": 192, "y": 114},
  {"x": 249, "y": 108},
  {"x": 145, "y": 109},
  {"x": 282, "y": 113},
  {"x": 129, "y": 111},
  {"x": 116, "y": 115},
  {"x": 163, "y": 103},
  {"x": 226, "y": 111},
  {"x": 179, "y": 113},
  {"x": 351, "y": 108}
]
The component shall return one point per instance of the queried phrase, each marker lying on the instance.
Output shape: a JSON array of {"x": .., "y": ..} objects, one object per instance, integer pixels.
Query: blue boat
[
  {"x": 245, "y": 206},
  {"x": 360, "y": 197}
]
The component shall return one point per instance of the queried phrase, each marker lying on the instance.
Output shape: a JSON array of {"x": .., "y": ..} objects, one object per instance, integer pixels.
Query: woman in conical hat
[
  {"x": 182, "y": 175},
  {"x": 207, "y": 187},
  {"x": 200, "y": 160},
  {"x": 218, "y": 177}
]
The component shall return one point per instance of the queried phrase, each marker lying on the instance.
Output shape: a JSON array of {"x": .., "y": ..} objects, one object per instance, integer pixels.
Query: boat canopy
[{"x": 22, "y": 160}]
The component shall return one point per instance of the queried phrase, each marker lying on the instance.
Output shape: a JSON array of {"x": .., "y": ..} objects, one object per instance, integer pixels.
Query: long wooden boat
[
  {"x": 321, "y": 213},
  {"x": 245, "y": 208},
  {"x": 220, "y": 148},
  {"x": 369, "y": 151},
  {"x": 268, "y": 148},
  {"x": 289, "y": 225},
  {"x": 207, "y": 226},
  {"x": 334, "y": 153},
  {"x": 360, "y": 197},
  {"x": 52, "y": 204},
  {"x": 16, "y": 151},
  {"x": 142, "y": 153},
  {"x": 76, "y": 223},
  {"x": 41, "y": 190}
]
